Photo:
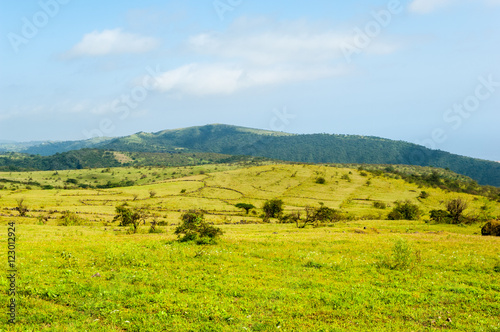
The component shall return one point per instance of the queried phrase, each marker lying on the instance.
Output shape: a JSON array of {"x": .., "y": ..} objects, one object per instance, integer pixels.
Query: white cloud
[
  {"x": 272, "y": 47},
  {"x": 112, "y": 42},
  {"x": 210, "y": 79},
  {"x": 262, "y": 53}
]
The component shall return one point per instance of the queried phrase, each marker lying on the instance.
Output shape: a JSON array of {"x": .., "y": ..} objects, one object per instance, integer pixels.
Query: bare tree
[
  {"x": 21, "y": 207},
  {"x": 456, "y": 208}
]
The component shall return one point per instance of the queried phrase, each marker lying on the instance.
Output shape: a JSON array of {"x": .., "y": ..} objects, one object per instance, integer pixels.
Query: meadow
[{"x": 364, "y": 273}]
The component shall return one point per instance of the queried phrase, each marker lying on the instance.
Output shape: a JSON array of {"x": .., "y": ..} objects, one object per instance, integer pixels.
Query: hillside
[
  {"x": 80, "y": 268},
  {"x": 95, "y": 158},
  {"x": 217, "y": 188},
  {"x": 312, "y": 148}
]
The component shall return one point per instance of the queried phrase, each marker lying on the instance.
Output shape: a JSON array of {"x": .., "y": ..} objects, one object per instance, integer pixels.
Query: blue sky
[{"x": 423, "y": 71}]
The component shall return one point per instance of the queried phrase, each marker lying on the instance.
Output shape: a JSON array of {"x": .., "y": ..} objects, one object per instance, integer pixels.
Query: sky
[{"x": 421, "y": 71}]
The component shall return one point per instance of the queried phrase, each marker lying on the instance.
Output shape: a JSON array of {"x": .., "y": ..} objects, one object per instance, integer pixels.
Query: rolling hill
[{"x": 311, "y": 148}]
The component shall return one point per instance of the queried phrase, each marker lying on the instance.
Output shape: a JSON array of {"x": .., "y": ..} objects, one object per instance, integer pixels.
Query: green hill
[{"x": 313, "y": 148}]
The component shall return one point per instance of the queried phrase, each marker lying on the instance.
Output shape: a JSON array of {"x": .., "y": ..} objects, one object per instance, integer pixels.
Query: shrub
[
  {"x": 346, "y": 177},
  {"x": 423, "y": 195},
  {"x": 379, "y": 205},
  {"x": 195, "y": 228},
  {"x": 320, "y": 180},
  {"x": 404, "y": 211},
  {"x": 440, "y": 216},
  {"x": 21, "y": 207},
  {"x": 492, "y": 228},
  {"x": 289, "y": 218},
  {"x": 314, "y": 216},
  {"x": 273, "y": 209},
  {"x": 401, "y": 257},
  {"x": 70, "y": 219},
  {"x": 324, "y": 213}
]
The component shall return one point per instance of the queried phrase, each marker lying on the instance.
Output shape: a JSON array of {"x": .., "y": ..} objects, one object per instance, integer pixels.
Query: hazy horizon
[{"x": 421, "y": 71}]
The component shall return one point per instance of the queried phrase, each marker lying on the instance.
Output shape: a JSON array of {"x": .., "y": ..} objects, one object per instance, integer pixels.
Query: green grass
[{"x": 259, "y": 277}]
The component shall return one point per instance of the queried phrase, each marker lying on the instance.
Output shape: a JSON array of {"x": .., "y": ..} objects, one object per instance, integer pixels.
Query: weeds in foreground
[{"x": 401, "y": 257}]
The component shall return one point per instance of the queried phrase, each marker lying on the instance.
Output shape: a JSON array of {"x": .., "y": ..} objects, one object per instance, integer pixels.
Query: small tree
[
  {"x": 130, "y": 216},
  {"x": 324, "y": 214},
  {"x": 195, "y": 228},
  {"x": 314, "y": 216},
  {"x": 456, "y": 208},
  {"x": 21, "y": 207},
  {"x": 273, "y": 209},
  {"x": 245, "y": 206}
]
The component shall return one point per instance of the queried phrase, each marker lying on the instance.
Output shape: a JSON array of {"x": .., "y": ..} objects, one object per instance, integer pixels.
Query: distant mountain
[
  {"x": 47, "y": 148},
  {"x": 313, "y": 148}
]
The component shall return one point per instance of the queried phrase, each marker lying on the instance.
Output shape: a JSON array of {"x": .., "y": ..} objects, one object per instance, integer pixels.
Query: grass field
[{"x": 259, "y": 277}]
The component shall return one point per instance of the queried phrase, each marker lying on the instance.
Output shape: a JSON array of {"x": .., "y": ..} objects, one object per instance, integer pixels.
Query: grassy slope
[
  {"x": 261, "y": 277},
  {"x": 315, "y": 148}
]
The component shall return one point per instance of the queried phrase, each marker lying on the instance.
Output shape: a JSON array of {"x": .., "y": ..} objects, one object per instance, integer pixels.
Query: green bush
[
  {"x": 195, "y": 228},
  {"x": 440, "y": 216},
  {"x": 423, "y": 195},
  {"x": 401, "y": 257},
  {"x": 320, "y": 180},
  {"x": 404, "y": 211},
  {"x": 272, "y": 209},
  {"x": 70, "y": 219},
  {"x": 379, "y": 205},
  {"x": 314, "y": 216},
  {"x": 491, "y": 228},
  {"x": 346, "y": 177}
]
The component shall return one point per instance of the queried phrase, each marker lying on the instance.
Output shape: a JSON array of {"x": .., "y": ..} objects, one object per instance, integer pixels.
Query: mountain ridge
[{"x": 305, "y": 148}]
